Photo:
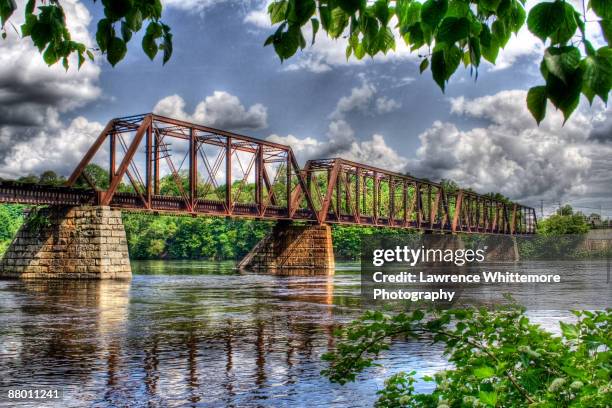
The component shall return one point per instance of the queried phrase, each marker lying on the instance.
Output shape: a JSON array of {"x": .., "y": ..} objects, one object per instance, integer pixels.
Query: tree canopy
[
  {"x": 443, "y": 33},
  {"x": 446, "y": 33}
]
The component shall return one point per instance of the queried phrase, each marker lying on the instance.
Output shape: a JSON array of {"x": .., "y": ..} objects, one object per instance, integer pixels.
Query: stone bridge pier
[
  {"x": 85, "y": 242},
  {"x": 293, "y": 249}
]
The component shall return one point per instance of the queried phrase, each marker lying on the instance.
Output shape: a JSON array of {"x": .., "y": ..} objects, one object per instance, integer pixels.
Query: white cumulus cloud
[
  {"x": 221, "y": 110},
  {"x": 510, "y": 153}
]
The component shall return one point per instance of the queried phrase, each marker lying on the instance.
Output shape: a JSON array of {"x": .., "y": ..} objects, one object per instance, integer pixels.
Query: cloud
[
  {"x": 510, "y": 154},
  {"x": 363, "y": 99},
  {"x": 56, "y": 147},
  {"x": 386, "y": 105},
  {"x": 220, "y": 110},
  {"x": 602, "y": 128},
  {"x": 29, "y": 88},
  {"x": 197, "y": 6},
  {"x": 341, "y": 142},
  {"x": 34, "y": 95}
]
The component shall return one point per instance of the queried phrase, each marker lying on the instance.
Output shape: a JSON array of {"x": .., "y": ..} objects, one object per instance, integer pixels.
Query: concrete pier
[
  {"x": 86, "y": 242},
  {"x": 293, "y": 249}
]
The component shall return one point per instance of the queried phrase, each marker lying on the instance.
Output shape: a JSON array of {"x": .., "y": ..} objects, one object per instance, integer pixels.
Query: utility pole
[{"x": 542, "y": 209}]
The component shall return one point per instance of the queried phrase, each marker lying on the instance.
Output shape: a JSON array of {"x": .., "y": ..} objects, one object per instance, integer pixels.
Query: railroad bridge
[{"x": 162, "y": 165}]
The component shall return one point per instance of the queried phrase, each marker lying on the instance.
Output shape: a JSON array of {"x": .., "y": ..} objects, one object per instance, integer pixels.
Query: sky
[{"x": 378, "y": 111}]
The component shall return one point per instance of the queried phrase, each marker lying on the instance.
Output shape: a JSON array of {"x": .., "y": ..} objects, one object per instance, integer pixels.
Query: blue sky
[{"x": 378, "y": 111}]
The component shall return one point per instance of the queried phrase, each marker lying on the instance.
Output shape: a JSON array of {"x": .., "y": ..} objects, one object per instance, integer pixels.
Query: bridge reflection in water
[{"x": 212, "y": 338}]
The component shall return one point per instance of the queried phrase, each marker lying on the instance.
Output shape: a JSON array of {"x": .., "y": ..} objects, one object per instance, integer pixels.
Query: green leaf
[
  {"x": 489, "y": 5},
  {"x": 424, "y": 65},
  {"x": 300, "y": 11},
  {"x": 349, "y": 6},
  {"x": 116, "y": 51},
  {"x": 438, "y": 68},
  {"x": 315, "y": 28},
  {"x": 126, "y": 32},
  {"x": 536, "y": 102},
  {"x": 29, "y": 9},
  {"x": 381, "y": 11},
  {"x": 603, "y": 8},
  {"x": 484, "y": 372},
  {"x": 277, "y": 11},
  {"x": 565, "y": 95},
  {"x": 452, "y": 58},
  {"x": 432, "y": 12},
  {"x": 287, "y": 42},
  {"x": 50, "y": 56},
  {"x": 338, "y": 22},
  {"x": 149, "y": 46},
  {"x": 517, "y": 18},
  {"x": 134, "y": 19},
  {"x": 415, "y": 37},
  {"x": 568, "y": 27},
  {"x": 606, "y": 28},
  {"x": 489, "y": 398},
  {"x": 7, "y": 8},
  {"x": 104, "y": 34},
  {"x": 488, "y": 45},
  {"x": 562, "y": 61},
  {"x": 386, "y": 40},
  {"x": 167, "y": 47},
  {"x": 444, "y": 62},
  {"x": 500, "y": 33},
  {"x": 597, "y": 79},
  {"x": 453, "y": 29},
  {"x": 545, "y": 19},
  {"x": 475, "y": 52},
  {"x": 116, "y": 9},
  {"x": 569, "y": 330}
]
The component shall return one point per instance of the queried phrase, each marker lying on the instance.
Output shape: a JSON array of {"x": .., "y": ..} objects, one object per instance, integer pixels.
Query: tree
[
  {"x": 46, "y": 26},
  {"x": 451, "y": 32},
  {"x": 444, "y": 33},
  {"x": 51, "y": 178},
  {"x": 566, "y": 221},
  {"x": 499, "y": 358},
  {"x": 455, "y": 31}
]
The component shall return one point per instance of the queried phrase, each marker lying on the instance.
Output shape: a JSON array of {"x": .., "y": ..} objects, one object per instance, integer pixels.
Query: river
[{"x": 193, "y": 334}]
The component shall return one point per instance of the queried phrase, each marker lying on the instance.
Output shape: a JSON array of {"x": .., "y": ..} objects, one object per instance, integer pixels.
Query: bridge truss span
[{"x": 163, "y": 165}]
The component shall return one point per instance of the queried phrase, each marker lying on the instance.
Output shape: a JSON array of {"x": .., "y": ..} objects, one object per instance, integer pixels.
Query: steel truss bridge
[{"x": 162, "y": 165}]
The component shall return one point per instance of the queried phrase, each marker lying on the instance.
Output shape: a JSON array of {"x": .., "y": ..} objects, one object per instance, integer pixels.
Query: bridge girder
[{"x": 209, "y": 171}]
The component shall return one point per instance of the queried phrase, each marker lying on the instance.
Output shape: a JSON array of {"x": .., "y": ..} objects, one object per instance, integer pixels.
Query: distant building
[{"x": 594, "y": 220}]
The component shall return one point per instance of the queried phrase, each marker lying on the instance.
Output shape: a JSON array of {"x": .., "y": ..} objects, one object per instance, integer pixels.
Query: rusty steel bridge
[{"x": 162, "y": 165}]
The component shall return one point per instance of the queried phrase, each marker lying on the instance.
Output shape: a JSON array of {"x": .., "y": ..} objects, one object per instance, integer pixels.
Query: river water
[{"x": 193, "y": 334}]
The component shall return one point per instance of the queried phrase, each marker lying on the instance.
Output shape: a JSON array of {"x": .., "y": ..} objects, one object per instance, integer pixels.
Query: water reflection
[{"x": 189, "y": 334}]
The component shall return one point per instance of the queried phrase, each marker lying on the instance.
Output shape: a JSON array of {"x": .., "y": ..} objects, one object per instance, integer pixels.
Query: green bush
[{"x": 500, "y": 359}]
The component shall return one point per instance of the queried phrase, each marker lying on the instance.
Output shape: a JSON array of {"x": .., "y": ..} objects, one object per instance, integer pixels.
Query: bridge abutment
[
  {"x": 85, "y": 242},
  {"x": 293, "y": 249}
]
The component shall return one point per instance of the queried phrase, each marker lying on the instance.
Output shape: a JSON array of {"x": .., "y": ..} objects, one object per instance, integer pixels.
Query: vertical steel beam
[
  {"x": 113, "y": 152},
  {"x": 156, "y": 160},
  {"x": 339, "y": 193},
  {"x": 376, "y": 201},
  {"x": 289, "y": 189},
  {"x": 229, "y": 205},
  {"x": 193, "y": 169},
  {"x": 148, "y": 169},
  {"x": 457, "y": 213},
  {"x": 259, "y": 163},
  {"x": 357, "y": 194}
]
